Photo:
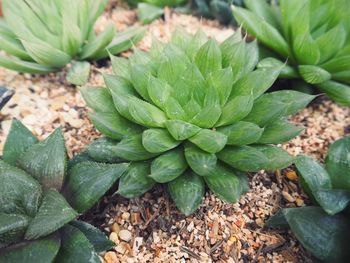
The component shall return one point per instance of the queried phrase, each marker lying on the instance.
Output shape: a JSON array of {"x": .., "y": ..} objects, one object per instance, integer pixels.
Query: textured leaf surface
[
  {"x": 277, "y": 157},
  {"x": 181, "y": 130},
  {"x": 87, "y": 182},
  {"x": 158, "y": 140},
  {"x": 242, "y": 133},
  {"x": 314, "y": 74},
  {"x": 338, "y": 92},
  {"x": 54, "y": 212},
  {"x": 187, "y": 192},
  {"x": 209, "y": 140},
  {"x": 13, "y": 227},
  {"x": 79, "y": 73},
  {"x": 201, "y": 162},
  {"x": 104, "y": 150}
]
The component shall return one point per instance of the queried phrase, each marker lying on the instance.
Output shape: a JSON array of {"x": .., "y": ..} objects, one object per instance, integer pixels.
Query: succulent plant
[
  {"x": 311, "y": 36},
  {"x": 323, "y": 229},
  {"x": 192, "y": 113},
  {"x": 5, "y": 95},
  {"x": 44, "y": 36},
  {"x": 39, "y": 200}
]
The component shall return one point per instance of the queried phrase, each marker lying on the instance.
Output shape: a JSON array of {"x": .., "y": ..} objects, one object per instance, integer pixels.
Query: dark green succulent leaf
[
  {"x": 103, "y": 150},
  {"x": 235, "y": 110},
  {"x": 158, "y": 140},
  {"x": 146, "y": 114},
  {"x": 201, "y": 162},
  {"x": 87, "y": 182},
  {"x": 76, "y": 247},
  {"x": 332, "y": 201},
  {"x": 225, "y": 184},
  {"x": 38, "y": 251},
  {"x": 136, "y": 181},
  {"x": 276, "y": 156},
  {"x": 46, "y": 161},
  {"x": 338, "y": 163},
  {"x": 208, "y": 57},
  {"x": 287, "y": 72},
  {"x": 148, "y": 13},
  {"x": 336, "y": 91},
  {"x": 181, "y": 130},
  {"x": 79, "y": 73},
  {"x": 20, "y": 193},
  {"x": 242, "y": 133},
  {"x": 17, "y": 142},
  {"x": 244, "y": 158},
  {"x": 54, "y": 212},
  {"x": 261, "y": 29},
  {"x": 187, "y": 192},
  {"x": 79, "y": 158},
  {"x": 95, "y": 236},
  {"x": 279, "y": 131},
  {"x": 209, "y": 140},
  {"x": 168, "y": 166},
  {"x": 13, "y": 227},
  {"x": 314, "y": 74},
  {"x": 97, "y": 98},
  {"x": 130, "y": 148},
  {"x": 325, "y": 236}
]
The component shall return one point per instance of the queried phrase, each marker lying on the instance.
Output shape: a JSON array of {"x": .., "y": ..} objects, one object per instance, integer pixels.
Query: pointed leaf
[
  {"x": 221, "y": 80},
  {"x": 314, "y": 74},
  {"x": 13, "y": 227},
  {"x": 97, "y": 98},
  {"x": 181, "y": 130},
  {"x": 25, "y": 66},
  {"x": 79, "y": 73},
  {"x": 201, "y": 162},
  {"x": 208, "y": 57},
  {"x": 241, "y": 133},
  {"x": 148, "y": 13},
  {"x": 121, "y": 67},
  {"x": 276, "y": 156},
  {"x": 332, "y": 201},
  {"x": 159, "y": 91},
  {"x": 158, "y": 140},
  {"x": 104, "y": 150},
  {"x": 338, "y": 92},
  {"x": 209, "y": 140}
]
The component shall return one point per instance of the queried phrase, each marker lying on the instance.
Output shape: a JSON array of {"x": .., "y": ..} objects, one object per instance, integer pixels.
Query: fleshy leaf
[
  {"x": 314, "y": 74},
  {"x": 104, "y": 150},
  {"x": 13, "y": 227},
  {"x": 187, "y": 192},
  {"x": 242, "y": 133},
  {"x": 158, "y": 140},
  {"x": 181, "y": 130},
  {"x": 201, "y": 162},
  {"x": 79, "y": 73},
  {"x": 276, "y": 156},
  {"x": 208, "y": 57},
  {"x": 209, "y": 140},
  {"x": 338, "y": 92}
]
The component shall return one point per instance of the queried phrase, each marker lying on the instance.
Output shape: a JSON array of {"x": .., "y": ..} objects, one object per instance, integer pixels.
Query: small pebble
[{"x": 125, "y": 235}]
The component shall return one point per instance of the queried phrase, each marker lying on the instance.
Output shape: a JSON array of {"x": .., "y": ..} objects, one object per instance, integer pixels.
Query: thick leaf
[
  {"x": 46, "y": 161},
  {"x": 79, "y": 73},
  {"x": 201, "y": 162},
  {"x": 120, "y": 66},
  {"x": 222, "y": 80},
  {"x": 314, "y": 74},
  {"x": 38, "y": 251},
  {"x": 187, "y": 192},
  {"x": 104, "y": 150},
  {"x": 287, "y": 71},
  {"x": 209, "y": 140},
  {"x": 279, "y": 131},
  {"x": 207, "y": 117},
  {"x": 148, "y": 13},
  {"x": 131, "y": 149},
  {"x": 325, "y": 236},
  {"x": 225, "y": 184},
  {"x": 244, "y": 158},
  {"x": 337, "y": 64},
  {"x": 168, "y": 166},
  {"x": 95, "y": 236},
  {"x": 208, "y": 57},
  {"x": 87, "y": 182},
  {"x": 158, "y": 140},
  {"x": 140, "y": 75},
  {"x": 20, "y": 193},
  {"x": 338, "y": 163},
  {"x": 13, "y": 227},
  {"x": 181, "y": 130},
  {"x": 146, "y": 114},
  {"x": 332, "y": 201},
  {"x": 136, "y": 181},
  {"x": 54, "y": 212},
  {"x": 306, "y": 49},
  {"x": 25, "y": 66},
  {"x": 17, "y": 142},
  {"x": 338, "y": 92},
  {"x": 97, "y": 98},
  {"x": 159, "y": 91},
  {"x": 276, "y": 156},
  {"x": 76, "y": 247},
  {"x": 242, "y": 133}
]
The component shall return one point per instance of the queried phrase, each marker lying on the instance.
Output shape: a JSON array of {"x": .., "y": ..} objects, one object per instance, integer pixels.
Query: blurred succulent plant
[
  {"x": 191, "y": 113},
  {"x": 44, "y": 36},
  {"x": 39, "y": 201},
  {"x": 313, "y": 36},
  {"x": 323, "y": 229},
  {"x": 5, "y": 95}
]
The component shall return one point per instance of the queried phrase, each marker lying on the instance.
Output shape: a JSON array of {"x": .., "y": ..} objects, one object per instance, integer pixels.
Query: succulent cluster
[
  {"x": 311, "y": 36},
  {"x": 43, "y": 36},
  {"x": 39, "y": 200},
  {"x": 192, "y": 113},
  {"x": 323, "y": 229}
]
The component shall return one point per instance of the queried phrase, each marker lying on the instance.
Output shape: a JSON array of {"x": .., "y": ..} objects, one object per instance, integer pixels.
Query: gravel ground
[{"x": 150, "y": 228}]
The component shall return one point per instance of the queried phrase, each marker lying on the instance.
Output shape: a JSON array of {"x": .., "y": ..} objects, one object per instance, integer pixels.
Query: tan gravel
[{"x": 150, "y": 228}]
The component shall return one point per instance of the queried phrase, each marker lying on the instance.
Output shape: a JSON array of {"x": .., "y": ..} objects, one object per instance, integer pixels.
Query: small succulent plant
[
  {"x": 312, "y": 36},
  {"x": 192, "y": 113},
  {"x": 5, "y": 95},
  {"x": 39, "y": 201},
  {"x": 323, "y": 229},
  {"x": 44, "y": 36}
]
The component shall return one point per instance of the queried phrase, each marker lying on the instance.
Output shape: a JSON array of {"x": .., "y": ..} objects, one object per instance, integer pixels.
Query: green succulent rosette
[
  {"x": 323, "y": 229},
  {"x": 311, "y": 36},
  {"x": 192, "y": 113},
  {"x": 40, "y": 201},
  {"x": 44, "y": 36}
]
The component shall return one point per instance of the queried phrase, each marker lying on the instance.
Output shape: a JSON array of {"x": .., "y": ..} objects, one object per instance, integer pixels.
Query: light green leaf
[
  {"x": 158, "y": 140},
  {"x": 181, "y": 130},
  {"x": 79, "y": 73},
  {"x": 287, "y": 72},
  {"x": 87, "y": 182},
  {"x": 24, "y": 66},
  {"x": 54, "y": 212},
  {"x": 148, "y": 13},
  {"x": 140, "y": 76},
  {"x": 338, "y": 92},
  {"x": 208, "y": 57},
  {"x": 242, "y": 133},
  {"x": 187, "y": 192},
  {"x": 313, "y": 74},
  {"x": 209, "y": 140},
  {"x": 46, "y": 161},
  {"x": 221, "y": 80},
  {"x": 120, "y": 66},
  {"x": 159, "y": 91},
  {"x": 168, "y": 166},
  {"x": 136, "y": 181},
  {"x": 97, "y": 98}
]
